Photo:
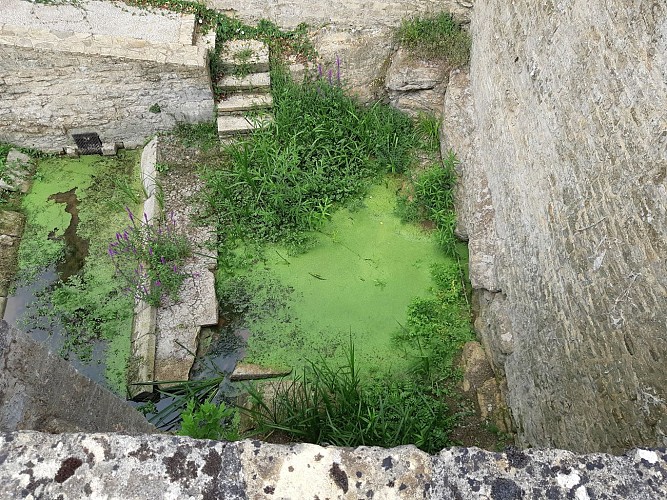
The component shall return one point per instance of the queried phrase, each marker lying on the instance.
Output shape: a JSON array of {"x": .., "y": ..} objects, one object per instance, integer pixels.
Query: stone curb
[{"x": 143, "y": 339}]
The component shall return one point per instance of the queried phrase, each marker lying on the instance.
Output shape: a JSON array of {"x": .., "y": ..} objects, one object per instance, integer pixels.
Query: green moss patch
[
  {"x": 358, "y": 280},
  {"x": 87, "y": 307}
]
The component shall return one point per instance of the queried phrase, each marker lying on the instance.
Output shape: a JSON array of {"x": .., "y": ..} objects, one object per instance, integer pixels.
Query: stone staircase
[{"x": 246, "y": 84}]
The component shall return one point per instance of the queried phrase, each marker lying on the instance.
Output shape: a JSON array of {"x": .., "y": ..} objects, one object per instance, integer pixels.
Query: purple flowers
[{"x": 148, "y": 257}]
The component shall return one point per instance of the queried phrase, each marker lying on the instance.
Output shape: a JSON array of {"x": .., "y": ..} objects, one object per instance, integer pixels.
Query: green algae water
[
  {"x": 355, "y": 283},
  {"x": 66, "y": 293}
]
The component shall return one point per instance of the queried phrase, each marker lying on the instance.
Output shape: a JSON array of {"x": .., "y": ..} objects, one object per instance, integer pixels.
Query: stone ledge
[
  {"x": 106, "y": 45},
  {"x": 162, "y": 466}
]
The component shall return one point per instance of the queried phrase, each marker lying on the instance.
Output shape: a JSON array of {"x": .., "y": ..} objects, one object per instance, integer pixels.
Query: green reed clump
[
  {"x": 432, "y": 199},
  {"x": 336, "y": 406},
  {"x": 322, "y": 150}
]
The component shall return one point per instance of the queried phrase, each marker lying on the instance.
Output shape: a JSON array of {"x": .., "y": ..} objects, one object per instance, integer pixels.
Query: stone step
[
  {"x": 249, "y": 371},
  {"x": 255, "y": 82},
  {"x": 244, "y": 57},
  {"x": 231, "y": 126},
  {"x": 238, "y": 103}
]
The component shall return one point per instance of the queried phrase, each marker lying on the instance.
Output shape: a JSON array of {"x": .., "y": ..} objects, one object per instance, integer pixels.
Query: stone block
[
  {"x": 142, "y": 352},
  {"x": 109, "y": 149},
  {"x": 230, "y": 126},
  {"x": 250, "y": 371},
  {"x": 249, "y": 56}
]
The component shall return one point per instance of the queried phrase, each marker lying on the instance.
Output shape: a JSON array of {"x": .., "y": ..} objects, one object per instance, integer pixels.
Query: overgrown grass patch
[
  {"x": 436, "y": 37},
  {"x": 322, "y": 150}
]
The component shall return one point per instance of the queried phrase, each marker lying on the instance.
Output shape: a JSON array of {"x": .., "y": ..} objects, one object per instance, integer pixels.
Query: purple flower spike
[
  {"x": 118, "y": 237},
  {"x": 162, "y": 261},
  {"x": 158, "y": 283},
  {"x": 319, "y": 70},
  {"x": 150, "y": 250},
  {"x": 111, "y": 252},
  {"x": 125, "y": 235},
  {"x": 330, "y": 76},
  {"x": 175, "y": 268},
  {"x": 146, "y": 217},
  {"x": 130, "y": 214}
]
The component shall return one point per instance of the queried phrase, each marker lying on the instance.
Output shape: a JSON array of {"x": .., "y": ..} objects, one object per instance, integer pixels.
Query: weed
[
  {"x": 200, "y": 135},
  {"x": 433, "y": 200},
  {"x": 148, "y": 258},
  {"x": 155, "y": 108},
  {"x": 436, "y": 37},
  {"x": 428, "y": 129},
  {"x": 210, "y": 421}
]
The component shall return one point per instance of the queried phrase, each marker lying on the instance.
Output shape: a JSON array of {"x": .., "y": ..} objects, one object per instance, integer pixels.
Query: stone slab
[
  {"x": 41, "y": 391},
  {"x": 250, "y": 371},
  {"x": 230, "y": 126},
  {"x": 11, "y": 223},
  {"x": 244, "y": 55},
  {"x": 148, "y": 167},
  {"x": 18, "y": 167},
  {"x": 255, "y": 82},
  {"x": 238, "y": 103},
  {"x": 142, "y": 352}
]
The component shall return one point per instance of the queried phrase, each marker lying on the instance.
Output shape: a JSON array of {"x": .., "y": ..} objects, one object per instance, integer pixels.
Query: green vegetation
[
  {"x": 338, "y": 406},
  {"x": 436, "y": 37},
  {"x": 430, "y": 197},
  {"x": 359, "y": 276},
  {"x": 210, "y": 421},
  {"x": 148, "y": 258},
  {"x": 322, "y": 150},
  {"x": 88, "y": 306}
]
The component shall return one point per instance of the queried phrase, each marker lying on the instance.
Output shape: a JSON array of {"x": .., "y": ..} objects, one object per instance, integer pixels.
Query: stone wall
[
  {"x": 56, "y": 83},
  {"x": 564, "y": 200},
  {"x": 74, "y": 466},
  {"x": 41, "y": 391}
]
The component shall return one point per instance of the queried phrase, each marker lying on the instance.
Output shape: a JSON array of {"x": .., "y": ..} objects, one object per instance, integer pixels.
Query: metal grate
[{"x": 88, "y": 144}]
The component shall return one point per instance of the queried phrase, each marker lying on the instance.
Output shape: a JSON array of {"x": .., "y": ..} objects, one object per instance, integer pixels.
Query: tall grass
[{"x": 335, "y": 405}]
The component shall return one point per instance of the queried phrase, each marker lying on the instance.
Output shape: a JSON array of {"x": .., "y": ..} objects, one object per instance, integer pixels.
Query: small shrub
[
  {"x": 210, "y": 421},
  {"x": 149, "y": 258},
  {"x": 321, "y": 151},
  {"x": 436, "y": 37}
]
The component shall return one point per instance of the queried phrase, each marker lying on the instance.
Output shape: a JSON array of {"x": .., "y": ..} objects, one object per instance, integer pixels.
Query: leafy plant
[
  {"x": 437, "y": 37},
  {"x": 155, "y": 108},
  {"x": 321, "y": 151},
  {"x": 210, "y": 421},
  {"x": 149, "y": 258},
  {"x": 428, "y": 129},
  {"x": 433, "y": 200}
]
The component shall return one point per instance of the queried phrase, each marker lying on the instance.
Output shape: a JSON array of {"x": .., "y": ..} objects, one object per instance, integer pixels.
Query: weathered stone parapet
[
  {"x": 74, "y": 466},
  {"x": 41, "y": 391},
  {"x": 105, "y": 45}
]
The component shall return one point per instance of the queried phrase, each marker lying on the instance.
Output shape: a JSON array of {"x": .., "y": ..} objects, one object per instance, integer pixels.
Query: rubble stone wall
[{"x": 54, "y": 84}]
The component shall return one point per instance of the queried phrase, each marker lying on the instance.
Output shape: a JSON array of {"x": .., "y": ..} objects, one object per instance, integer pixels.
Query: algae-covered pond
[
  {"x": 355, "y": 284},
  {"x": 65, "y": 293}
]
